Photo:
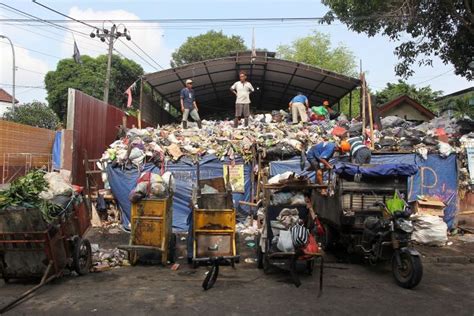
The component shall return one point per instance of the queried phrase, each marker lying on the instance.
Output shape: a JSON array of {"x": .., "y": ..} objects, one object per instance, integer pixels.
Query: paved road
[{"x": 349, "y": 289}]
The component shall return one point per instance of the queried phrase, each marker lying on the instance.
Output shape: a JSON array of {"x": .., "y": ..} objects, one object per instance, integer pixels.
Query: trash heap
[
  {"x": 274, "y": 135},
  {"x": 46, "y": 191}
]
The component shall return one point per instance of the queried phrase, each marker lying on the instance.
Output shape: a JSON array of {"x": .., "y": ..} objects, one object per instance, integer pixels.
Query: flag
[
  {"x": 128, "y": 92},
  {"x": 77, "y": 54}
]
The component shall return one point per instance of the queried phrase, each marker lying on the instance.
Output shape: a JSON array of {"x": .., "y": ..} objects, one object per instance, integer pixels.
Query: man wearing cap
[
  {"x": 318, "y": 157},
  {"x": 242, "y": 90},
  {"x": 299, "y": 106},
  {"x": 188, "y": 104}
]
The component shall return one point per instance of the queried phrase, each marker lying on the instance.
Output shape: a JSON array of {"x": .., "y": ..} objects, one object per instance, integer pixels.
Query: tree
[
  {"x": 316, "y": 50},
  {"x": 34, "y": 114},
  {"x": 89, "y": 77},
  {"x": 207, "y": 46},
  {"x": 439, "y": 27},
  {"x": 425, "y": 95}
]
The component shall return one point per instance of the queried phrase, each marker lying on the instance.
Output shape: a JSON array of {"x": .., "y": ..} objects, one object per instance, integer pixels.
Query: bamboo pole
[
  {"x": 371, "y": 121},
  {"x": 362, "y": 78}
]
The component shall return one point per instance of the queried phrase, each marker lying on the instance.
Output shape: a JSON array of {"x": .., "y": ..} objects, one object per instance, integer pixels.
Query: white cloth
[{"x": 243, "y": 91}]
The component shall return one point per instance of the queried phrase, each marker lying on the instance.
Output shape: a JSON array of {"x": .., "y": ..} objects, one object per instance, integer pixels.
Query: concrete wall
[
  {"x": 407, "y": 112},
  {"x": 4, "y": 107}
]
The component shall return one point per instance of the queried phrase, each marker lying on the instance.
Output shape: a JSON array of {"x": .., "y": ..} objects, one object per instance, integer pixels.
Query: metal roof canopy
[{"x": 277, "y": 81}]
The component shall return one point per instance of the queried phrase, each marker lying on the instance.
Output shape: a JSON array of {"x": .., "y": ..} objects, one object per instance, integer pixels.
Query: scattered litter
[
  {"x": 250, "y": 260},
  {"x": 175, "y": 267}
]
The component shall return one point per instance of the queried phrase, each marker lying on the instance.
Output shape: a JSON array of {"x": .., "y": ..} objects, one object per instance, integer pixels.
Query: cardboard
[{"x": 430, "y": 207}]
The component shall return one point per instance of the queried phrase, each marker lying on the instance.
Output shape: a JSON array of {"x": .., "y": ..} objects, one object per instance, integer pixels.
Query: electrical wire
[
  {"x": 32, "y": 50},
  {"x": 134, "y": 51},
  {"x": 22, "y": 86},
  {"x": 29, "y": 70},
  {"x": 437, "y": 76},
  {"x": 146, "y": 54},
  {"x": 62, "y": 14}
]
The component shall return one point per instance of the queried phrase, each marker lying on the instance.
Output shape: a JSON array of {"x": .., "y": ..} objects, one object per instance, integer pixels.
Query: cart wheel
[
  {"x": 211, "y": 277},
  {"x": 133, "y": 257},
  {"x": 327, "y": 240},
  {"x": 310, "y": 266},
  {"x": 82, "y": 256},
  {"x": 172, "y": 249}
]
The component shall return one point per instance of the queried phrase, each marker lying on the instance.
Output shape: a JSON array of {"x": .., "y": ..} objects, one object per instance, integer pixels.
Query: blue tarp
[
  {"x": 436, "y": 176},
  {"x": 399, "y": 169},
  {"x": 57, "y": 150},
  {"x": 122, "y": 181}
]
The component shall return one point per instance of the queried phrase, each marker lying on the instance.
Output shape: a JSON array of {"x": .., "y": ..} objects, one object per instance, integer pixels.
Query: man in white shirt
[{"x": 242, "y": 90}]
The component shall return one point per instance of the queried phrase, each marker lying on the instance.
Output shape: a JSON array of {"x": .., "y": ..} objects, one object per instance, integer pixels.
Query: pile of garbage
[
  {"x": 106, "y": 259},
  {"x": 152, "y": 185},
  {"x": 47, "y": 191},
  {"x": 279, "y": 139}
]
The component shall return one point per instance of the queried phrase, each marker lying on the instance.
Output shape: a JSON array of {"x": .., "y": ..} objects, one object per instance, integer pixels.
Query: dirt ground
[{"x": 349, "y": 289}]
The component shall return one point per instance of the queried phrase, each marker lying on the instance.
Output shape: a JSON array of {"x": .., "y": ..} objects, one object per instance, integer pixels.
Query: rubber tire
[
  {"x": 260, "y": 254},
  {"x": 237, "y": 247},
  {"x": 414, "y": 277},
  {"x": 172, "y": 249},
  {"x": 82, "y": 251}
]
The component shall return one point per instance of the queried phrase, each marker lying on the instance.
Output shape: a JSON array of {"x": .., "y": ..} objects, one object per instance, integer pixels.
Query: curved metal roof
[{"x": 276, "y": 81}]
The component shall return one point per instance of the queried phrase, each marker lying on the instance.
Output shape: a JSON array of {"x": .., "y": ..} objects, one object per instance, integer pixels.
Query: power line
[
  {"x": 29, "y": 70},
  {"x": 22, "y": 86},
  {"x": 71, "y": 18},
  {"x": 134, "y": 51},
  {"x": 146, "y": 54},
  {"x": 33, "y": 50},
  {"x": 437, "y": 76}
]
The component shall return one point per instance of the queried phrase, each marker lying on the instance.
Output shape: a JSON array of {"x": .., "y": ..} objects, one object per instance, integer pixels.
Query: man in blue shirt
[
  {"x": 299, "y": 105},
  {"x": 188, "y": 104},
  {"x": 318, "y": 157}
]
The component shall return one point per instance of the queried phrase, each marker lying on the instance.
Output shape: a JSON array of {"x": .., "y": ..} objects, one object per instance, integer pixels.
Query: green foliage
[
  {"x": 316, "y": 50},
  {"x": 459, "y": 104},
  {"x": 89, "y": 77},
  {"x": 207, "y": 46},
  {"x": 425, "y": 95},
  {"x": 440, "y": 28},
  {"x": 35, "y": 114}
]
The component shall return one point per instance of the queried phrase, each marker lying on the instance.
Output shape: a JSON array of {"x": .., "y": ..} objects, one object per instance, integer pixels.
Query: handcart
[
  {"x": 267, "y": 253},
  {"x": 151, "y": 223},
  {"x": 214, "y": 236},
  {"x": 31, "y": 248}
]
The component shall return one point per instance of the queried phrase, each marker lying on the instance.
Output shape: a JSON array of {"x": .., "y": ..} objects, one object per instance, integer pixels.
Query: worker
[
  {"x": 332, "y": 114},
  {"x": 299, "y": 106},
  {"x": 188, "y": 104},
  {"x": 318, "y": 157},
  {"x": 242, "y": 90},
  {"x": 359, "y": 153}
]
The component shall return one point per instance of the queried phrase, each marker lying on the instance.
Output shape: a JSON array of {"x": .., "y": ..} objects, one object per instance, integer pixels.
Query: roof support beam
[{"x": 289, "y": 82}]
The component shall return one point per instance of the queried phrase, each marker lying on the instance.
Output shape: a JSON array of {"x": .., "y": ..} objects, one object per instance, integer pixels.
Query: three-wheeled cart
[
  {"x": 31, "y": 248},
  {"x": 151, "y": 230},
  {"x": 267, "y": 254}
]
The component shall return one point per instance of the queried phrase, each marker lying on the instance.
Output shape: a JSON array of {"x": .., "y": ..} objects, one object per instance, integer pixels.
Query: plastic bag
[
  {"x": 430, "y": 230},
  {"x": 285, "y": 243},
  {"x": 396, "y": 203},
  {"x": 319, "y": 110}
]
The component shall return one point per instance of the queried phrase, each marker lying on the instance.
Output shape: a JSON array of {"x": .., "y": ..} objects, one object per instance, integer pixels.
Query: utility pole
[
  {"x": 109, "y": 63},
  {"x": 110, "y": 36},
  {"x": 13, "y": 71}
]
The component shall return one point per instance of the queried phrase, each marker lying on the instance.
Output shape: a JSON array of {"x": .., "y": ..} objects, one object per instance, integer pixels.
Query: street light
[{"x": 13, "y": 83}]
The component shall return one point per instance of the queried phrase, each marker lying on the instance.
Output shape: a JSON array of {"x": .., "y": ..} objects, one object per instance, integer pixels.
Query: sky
[{"x": 38, "y": 48}]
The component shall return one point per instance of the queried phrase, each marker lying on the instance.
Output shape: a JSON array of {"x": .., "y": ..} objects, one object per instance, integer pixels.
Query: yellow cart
[{"x": 151, "y": 223}]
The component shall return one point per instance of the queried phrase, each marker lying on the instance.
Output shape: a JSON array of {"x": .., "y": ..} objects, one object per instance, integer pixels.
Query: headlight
[{"x": 405, "y": 225}]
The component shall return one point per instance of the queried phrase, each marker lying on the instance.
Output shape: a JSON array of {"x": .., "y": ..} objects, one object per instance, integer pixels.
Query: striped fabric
[{"x": 356, "y": 144}]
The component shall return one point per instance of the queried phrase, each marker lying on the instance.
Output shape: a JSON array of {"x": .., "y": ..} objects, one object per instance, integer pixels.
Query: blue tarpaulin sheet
[
  {"x": 122, "y": 181},
  {"x": 384, "y": 170},
  {"x": 57, "y": 150},
  {"x": 436, "y": 176}
]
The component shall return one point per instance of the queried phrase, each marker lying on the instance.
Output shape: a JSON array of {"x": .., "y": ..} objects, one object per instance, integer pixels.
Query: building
[
  {"x": 461, "y": 102},
  {"x": 406, "y": 108},
  {"x": 5, "y": 101}
]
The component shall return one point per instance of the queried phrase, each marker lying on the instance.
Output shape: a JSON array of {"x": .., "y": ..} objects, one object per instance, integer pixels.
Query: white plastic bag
[
  {"x": 285, "y": 243},
  {"x": 430, "y": 230}
]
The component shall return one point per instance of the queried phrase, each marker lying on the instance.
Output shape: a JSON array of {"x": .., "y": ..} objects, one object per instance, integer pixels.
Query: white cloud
[
  {"x": 30, "y": 72},
  {"x": 150, "y": 38}
]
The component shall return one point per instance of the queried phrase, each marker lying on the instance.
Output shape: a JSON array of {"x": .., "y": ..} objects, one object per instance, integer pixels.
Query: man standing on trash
[
  {"x": 332, "y": 114},
  {"x": 299, "y": 106},
  {"x": 318, "y": 157},
  {"x": 188, "y": 104},
  {"x": 242, "y": 90}
]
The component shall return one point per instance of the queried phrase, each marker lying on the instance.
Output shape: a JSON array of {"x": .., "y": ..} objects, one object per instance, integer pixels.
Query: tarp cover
[
  {"x": 384, "y": 170},
  {"x": 436, "y": 176},
  {"x": 57, "y": 150},
  {"x": 122, "y": 181}
]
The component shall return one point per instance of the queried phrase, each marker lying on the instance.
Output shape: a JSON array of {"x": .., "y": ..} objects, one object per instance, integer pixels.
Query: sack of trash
[
  {"x": 149, "y": 185},
  {"x": 429, "y": 230}
]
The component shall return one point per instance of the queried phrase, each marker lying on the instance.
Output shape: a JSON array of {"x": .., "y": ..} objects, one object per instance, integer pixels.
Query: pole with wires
[{"x": 109, "y": 64}]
